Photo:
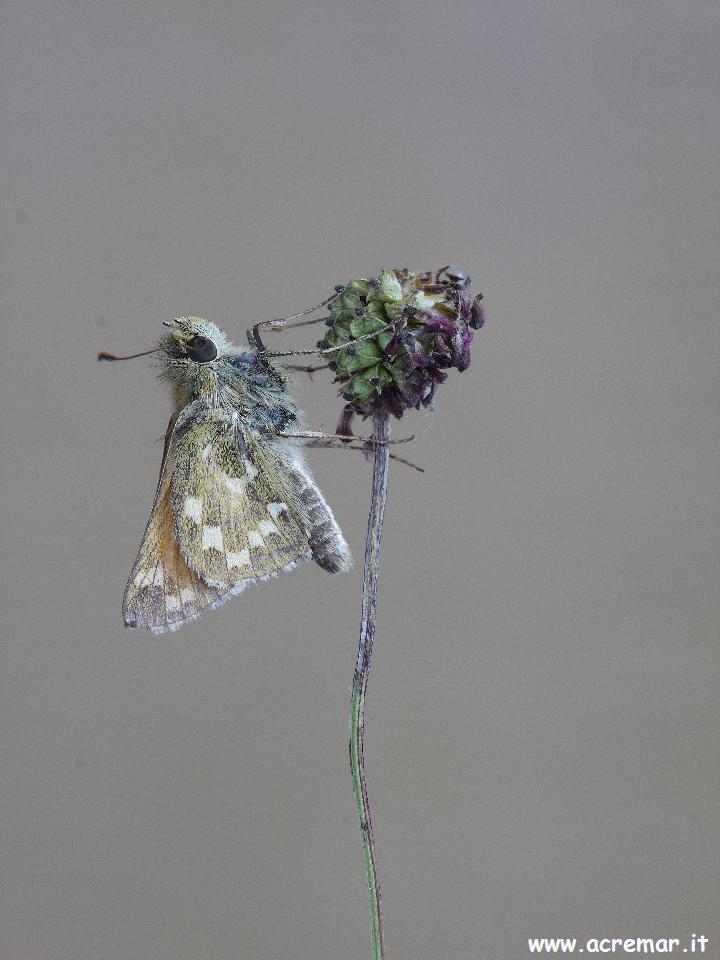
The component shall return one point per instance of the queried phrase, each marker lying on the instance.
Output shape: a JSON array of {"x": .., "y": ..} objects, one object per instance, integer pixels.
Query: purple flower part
[
  {"x": 477, "y": 313},
  {"x": 395, "y": 402},
  {"x": 391, "y": 399},
  {"x": 428, "y": 393},
  {"x": 417, "y": 355},
  {"x": 344, "y": 425},
  {"x": 444, "y": 353},
  {"x": 435, "y": 323},
  {"x": 419, "y": 389},
  {"x": 463, "y": 361},
  {"x": 461, "y": 348},
  {"x": 436, "y": 373}
]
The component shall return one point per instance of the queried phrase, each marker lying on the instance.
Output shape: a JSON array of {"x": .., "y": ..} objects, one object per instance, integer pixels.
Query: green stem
[{"x": 362, "y": 668}]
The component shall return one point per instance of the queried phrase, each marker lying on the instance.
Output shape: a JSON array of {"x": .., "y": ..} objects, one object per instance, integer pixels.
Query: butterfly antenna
[{"x": 104, "y": 355}]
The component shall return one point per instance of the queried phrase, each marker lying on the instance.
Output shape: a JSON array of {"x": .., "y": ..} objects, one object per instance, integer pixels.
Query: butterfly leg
[
  {"x": 327, "y": 350},
  {"x": 319, "y": 444},
  {"x": 318, "y": 435},
  {"x": 281, "y": 323},
  {"x": 309, "y": 370}
]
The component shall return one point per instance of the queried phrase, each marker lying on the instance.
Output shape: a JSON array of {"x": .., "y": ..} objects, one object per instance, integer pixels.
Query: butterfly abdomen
[
  {"x": 328, "y": 547},
  {"x": 327, "y": 544}
]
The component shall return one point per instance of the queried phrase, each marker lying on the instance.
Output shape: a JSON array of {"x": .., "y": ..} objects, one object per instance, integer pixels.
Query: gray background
[{"x": 543, "y": 710}]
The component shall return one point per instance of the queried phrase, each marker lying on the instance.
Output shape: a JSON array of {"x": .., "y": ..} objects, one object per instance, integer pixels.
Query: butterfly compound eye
[{"x": 201, "y": 349}]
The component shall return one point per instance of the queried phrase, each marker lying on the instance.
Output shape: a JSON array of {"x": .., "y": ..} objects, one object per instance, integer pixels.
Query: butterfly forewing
[{"x": 234, "y": 516}]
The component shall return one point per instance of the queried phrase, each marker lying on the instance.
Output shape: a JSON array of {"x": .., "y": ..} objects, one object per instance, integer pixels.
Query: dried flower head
[{"x": 424, "y": 325}]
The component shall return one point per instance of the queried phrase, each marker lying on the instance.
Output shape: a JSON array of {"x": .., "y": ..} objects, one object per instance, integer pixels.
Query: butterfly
[{"x": 235, "y": 501}]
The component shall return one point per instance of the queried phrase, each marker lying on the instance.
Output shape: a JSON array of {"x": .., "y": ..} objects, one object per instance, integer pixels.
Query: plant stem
[{"x": 362, "y": 668}]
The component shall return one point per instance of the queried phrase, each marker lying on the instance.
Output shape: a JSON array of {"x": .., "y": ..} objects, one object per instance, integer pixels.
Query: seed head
[{"x": 424, "y": 325}]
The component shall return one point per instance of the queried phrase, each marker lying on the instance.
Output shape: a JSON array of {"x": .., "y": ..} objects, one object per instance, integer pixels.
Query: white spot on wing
[
  {"x": 193, "y": 509},
  {"x": 241, "y": 559},
  {"x": 172, "y": 603},
  {"x": 255, "y": 539},
  {"x": 187, "y": 595},
  {"x": 266, "y": 527},
  {"x": 275, "y": 509},
  {"x": 207, "y": 450},
  {"x": 235, "y": 485},
  {"x": 212, "y": 538},
  {"x": 250, "y": 470}
]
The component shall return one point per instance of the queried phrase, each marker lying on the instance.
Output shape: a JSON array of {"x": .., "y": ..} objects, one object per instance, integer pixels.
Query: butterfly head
[
  {"x": 194, "y": 341},
  {"x": 199, "y": 359},
  {"x": 193, "y": 351}
]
